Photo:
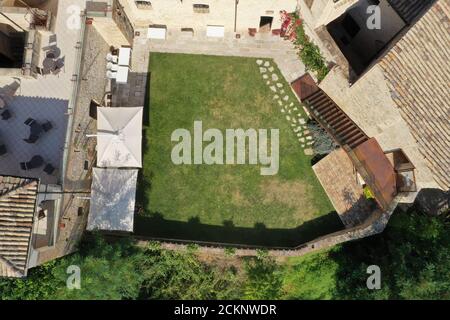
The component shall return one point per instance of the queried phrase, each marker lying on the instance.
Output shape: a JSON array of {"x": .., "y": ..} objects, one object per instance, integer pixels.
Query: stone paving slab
[{"x": 282, "y": 51}]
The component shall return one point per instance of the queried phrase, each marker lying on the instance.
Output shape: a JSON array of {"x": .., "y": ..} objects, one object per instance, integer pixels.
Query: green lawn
[{"x": 227, "y": 203}]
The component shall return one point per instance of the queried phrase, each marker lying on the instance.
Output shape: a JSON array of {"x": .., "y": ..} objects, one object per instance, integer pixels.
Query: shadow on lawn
[{"x": 156, "y": 226}]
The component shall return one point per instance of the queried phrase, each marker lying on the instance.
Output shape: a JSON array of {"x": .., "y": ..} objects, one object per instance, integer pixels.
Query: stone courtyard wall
[
  {"x": 375, "y": 224},
  {"x": 180, "y": 14}
]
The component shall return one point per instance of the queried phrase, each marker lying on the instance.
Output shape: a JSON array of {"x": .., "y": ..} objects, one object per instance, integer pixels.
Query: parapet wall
[{"x": 375, "y": 224}]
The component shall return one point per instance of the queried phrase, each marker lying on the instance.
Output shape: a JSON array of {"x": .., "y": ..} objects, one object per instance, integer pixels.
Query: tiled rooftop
[
  {"x": 17, "y": 208},
  {"x": 418, "y": 75},
  {"x": 338, "y": 177}
]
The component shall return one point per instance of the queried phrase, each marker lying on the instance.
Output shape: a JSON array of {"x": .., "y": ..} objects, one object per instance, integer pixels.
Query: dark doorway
[
  {"x": 12, "y": 47},
  {"x": 265, "y": 24}
]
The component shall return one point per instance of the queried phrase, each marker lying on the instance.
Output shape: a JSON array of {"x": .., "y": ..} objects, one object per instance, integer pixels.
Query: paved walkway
[
  {"x": 290, "y": 108},
  {"x": 260, "y": 46},
  {"x": 82, "y": 149}
]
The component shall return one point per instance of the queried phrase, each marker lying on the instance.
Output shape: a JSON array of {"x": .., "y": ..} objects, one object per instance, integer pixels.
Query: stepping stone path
[{"x": 297, "y": 121}]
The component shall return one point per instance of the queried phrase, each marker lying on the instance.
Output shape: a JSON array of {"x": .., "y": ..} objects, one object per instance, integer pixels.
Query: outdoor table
[
  {"x": 124, "y": 56},
  {"x": 122, "y": 74},
  {"x": 35, "y": 128},
  {"x": 53, "y": 53},
  {"x": 35, "y": 162},
  {"x": 48, "y": 65}
]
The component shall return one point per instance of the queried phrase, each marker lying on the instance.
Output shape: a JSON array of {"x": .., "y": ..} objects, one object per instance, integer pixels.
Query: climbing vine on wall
[{"x": 292, "y": 28}]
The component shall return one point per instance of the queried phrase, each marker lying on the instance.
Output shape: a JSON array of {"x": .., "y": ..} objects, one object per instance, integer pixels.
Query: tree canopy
[{"x": 413, "y": 254}]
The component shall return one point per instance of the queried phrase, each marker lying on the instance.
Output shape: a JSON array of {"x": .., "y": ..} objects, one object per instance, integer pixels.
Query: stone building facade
[
  {"x": 197, "y": 16},
  {"x": 400, "y": 97}
]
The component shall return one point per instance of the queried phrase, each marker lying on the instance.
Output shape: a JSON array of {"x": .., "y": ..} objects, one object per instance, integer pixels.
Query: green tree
[
  {"x": 263, "y": 278},
  {"x": 108, "y": 271},
  {"x": 413, "y": 254},
  {"x": 40, "y": 284},
  {"x": 181, "y": 275}
]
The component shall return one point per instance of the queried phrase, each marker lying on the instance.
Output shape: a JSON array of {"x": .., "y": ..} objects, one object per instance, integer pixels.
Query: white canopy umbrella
[
  {"x": 112, "y": 199},
  {"x": 119, "y": 137}
]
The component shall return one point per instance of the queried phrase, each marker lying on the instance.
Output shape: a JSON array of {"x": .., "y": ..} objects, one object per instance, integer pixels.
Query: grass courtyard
[{"x": 224, "y": 203}]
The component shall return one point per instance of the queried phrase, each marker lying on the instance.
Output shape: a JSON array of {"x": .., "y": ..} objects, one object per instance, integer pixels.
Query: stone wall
[
  {"x": 369, "y": 104},
  {"x": 177, "y": 14},
  {"x": 122, "y": 20},
  {"x": 375, "y": 224}
]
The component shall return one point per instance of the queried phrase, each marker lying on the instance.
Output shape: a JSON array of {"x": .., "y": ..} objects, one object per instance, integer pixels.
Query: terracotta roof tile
[
  {"x": 418, "y": 75},
  {"x": 17, "y": 209}
]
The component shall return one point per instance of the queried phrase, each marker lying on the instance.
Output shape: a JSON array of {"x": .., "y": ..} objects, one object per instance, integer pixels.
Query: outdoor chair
[
  {"x": 47, "y": 126},
  {"x": 49, "y": 169},
  {"x": 34, "y": 163},
  {"x": 32, "y": 139},
  {"x": 59, "y": 65},
  {"x": 6, "y": 115},
  {"x": 2, "y": 150},
  {"x": 29, "y": 121},
  {"x": 276, "y": 32},
  {"x": 52, "y": 40}
]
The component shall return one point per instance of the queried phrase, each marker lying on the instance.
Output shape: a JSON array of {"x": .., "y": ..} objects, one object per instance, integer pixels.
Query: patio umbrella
[
  {"x": 112, "y": 202},
  {"x": 119, "y": 137}
]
